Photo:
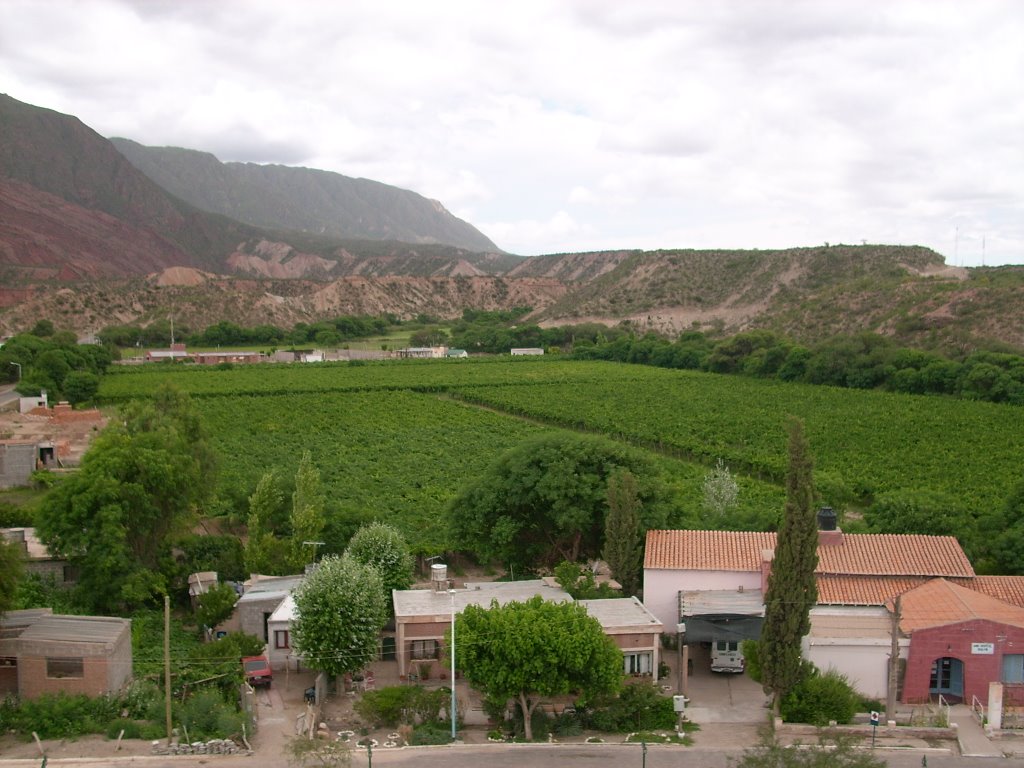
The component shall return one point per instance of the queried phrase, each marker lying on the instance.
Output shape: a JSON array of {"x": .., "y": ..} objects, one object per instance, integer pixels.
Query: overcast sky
[{"x": 575, "y": 125}]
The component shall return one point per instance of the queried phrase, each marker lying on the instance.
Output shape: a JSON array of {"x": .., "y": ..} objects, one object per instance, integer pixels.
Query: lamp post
[
  {"x": 18, "y": 365},
  {"x": 451, "y": 593}
]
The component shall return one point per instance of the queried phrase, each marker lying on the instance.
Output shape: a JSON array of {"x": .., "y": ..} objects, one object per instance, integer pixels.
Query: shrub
[
  {"x": 409, "y": 704},
  {"x": 207, "y": 716},
  {"x": 640, "y": 707},
  {"x": 430, "y": 734},
  {"x": 819, "y": 698}
]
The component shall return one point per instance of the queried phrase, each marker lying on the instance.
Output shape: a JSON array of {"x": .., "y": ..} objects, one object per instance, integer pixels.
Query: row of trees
[
  {"x": 226, "y": 333},
  {"x": 864, "y": 361},
  {"x": 54, "y": 361}
]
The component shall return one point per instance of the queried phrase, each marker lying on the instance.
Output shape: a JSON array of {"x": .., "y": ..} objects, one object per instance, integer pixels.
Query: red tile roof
[
  {"x": 863, "y": 590},
  {"x": 939, "y": 602},
  {"x": 1009, "y": 589},
  {"x": 857, "y": 554}
]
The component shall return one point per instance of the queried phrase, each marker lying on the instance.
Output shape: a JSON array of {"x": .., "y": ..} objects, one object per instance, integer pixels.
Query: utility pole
[{"x": 167, "y": 663}]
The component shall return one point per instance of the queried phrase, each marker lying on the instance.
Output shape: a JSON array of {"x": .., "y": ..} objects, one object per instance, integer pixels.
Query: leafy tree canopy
[
  {"x": 340, "y": 611},
  {"x": 11, "y": 571},
  {"x": 534, "y": 650},
  {"x": 545, "y": 501},
  {"x": 383, "y": 547},
  {"x": 137, "y": 486}
]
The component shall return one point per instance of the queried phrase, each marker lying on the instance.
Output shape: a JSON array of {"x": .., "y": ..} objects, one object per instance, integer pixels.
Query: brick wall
[
  {"x": 955, "y": 641},
  {"x": 33, "y": 681}
]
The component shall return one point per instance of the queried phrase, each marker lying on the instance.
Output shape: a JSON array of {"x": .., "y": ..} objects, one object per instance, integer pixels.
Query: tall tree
[
  {"x": 383, "y": 547},
  {"x": 545, "y": 500},
  {"x": 340, "y": 611},
  {"x": 264, "y": 553},
  {"x": 792, "y": 590},
  {"x": 12, "y": 561},
  {"x": 535, "y": 650},
  {"x": 623, "y": 544},
  {"x": 138, "y": 486},
  {"x": 307, "y": 519}
]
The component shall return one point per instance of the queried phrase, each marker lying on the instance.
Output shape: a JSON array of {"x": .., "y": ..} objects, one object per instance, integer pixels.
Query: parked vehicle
[
  {"x": 726, "y": 656},
  {"x": 257, "y": 671}
]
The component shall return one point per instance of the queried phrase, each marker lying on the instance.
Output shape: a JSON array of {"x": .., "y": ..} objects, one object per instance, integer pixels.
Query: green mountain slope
[{"x": 302, "y": 199}]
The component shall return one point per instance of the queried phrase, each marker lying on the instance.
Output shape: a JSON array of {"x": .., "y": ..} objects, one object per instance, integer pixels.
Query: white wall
[{"x": 662, "y": 588}]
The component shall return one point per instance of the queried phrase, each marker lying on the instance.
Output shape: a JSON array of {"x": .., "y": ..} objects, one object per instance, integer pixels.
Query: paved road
[{"x": 531, "y": 755}]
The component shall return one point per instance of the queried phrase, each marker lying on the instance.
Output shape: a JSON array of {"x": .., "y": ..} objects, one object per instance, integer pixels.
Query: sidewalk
[{"x": 970, "y": 735}]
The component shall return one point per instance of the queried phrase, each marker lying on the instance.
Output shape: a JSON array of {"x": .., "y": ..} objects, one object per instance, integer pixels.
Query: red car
[{"x": 257, "y": 671}]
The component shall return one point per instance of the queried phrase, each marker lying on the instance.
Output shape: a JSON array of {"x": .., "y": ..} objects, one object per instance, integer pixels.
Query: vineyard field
[{"x": 400, "y": 438}]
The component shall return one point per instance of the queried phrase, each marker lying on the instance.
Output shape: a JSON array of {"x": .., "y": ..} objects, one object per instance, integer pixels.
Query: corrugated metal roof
[
  {"x": 716, "y": 602},
  {"x": 76, "y": 629}
]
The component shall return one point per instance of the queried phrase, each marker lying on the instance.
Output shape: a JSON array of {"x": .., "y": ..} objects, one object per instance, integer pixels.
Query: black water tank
[{"x": 826, "y": 519}]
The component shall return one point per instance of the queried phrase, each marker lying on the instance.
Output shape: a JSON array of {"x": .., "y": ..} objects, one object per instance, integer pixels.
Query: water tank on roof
[
  {"x": 439, "y": 577},
  {"x": 826, "y": 519}
]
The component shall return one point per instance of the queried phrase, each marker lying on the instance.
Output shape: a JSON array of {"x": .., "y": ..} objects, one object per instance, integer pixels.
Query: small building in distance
[
  {"x": 41, "y": 653},
  {"x": 176, "y": 352},
  {"x": 235, "y": 357},
  {"x": 38, "y": 559},
  {"x": 517, "y": 351}
]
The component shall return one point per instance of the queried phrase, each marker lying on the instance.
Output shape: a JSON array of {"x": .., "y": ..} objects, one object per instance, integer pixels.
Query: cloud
[{"x": 578, "y": 124}]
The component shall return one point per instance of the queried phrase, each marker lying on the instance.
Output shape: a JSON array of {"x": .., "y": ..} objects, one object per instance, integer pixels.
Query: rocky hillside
[
  {"x": 302, "y": 199},
  {"x": 807, "y": 294}
]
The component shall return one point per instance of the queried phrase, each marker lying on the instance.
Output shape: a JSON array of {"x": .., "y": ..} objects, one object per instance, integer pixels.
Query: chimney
[{"x": 829, "y": 534}]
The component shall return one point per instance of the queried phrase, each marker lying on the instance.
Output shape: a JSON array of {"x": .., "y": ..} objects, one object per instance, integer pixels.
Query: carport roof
[{"x": 723, "y": 602}]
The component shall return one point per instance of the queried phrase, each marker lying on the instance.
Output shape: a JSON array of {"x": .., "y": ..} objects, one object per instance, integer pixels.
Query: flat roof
[
  {"x": 622, "y": 613},
  {"x": 76, "y": 629},
  {"x": 427, "y": 602},
  {"x": 717, "y": 602},
  {"x": 268, "y": 587},
  {"x": 34, "y": 548}
]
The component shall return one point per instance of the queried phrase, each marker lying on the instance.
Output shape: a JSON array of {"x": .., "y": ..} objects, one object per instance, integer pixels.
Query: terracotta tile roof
[
  {"x": 707, "y": 550},
  {"x": 858, "y": 554},
  {"x": 1009, "y": 589},
  {"x": 939, "y": 602},
  {"x": 864, "y": 590}
]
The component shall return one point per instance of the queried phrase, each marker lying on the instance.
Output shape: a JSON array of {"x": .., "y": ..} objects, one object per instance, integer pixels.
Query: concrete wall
[
  {"x": 662, "y": 588},
  {"x": 252, "y": 613},
  {"x": 955, "y": 640},
  {"x": 17, "y": 463}
]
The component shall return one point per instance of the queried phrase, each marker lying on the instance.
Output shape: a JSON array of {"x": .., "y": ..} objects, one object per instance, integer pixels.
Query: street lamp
[
  {"x": 19, "y": 369},
  {"x": 451, "y": 593}
]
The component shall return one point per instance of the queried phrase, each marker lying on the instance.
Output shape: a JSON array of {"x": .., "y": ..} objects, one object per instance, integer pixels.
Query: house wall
[
  {"x": 17, "y": 462},
  {"x": 662, "y": 588},
  {"x": 119, "y": 668},
  {"x": 105, "y": 666},
  {"x": 407, "y": 631},
  {"x": 251, "y": 613},
  {"x": 279, "y": 658},
  {"x": 955, "y": 640}
]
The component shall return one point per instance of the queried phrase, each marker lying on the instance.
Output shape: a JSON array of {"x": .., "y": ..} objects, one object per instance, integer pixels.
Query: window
[
  {"x": 282, "y": 639},
  {"x": 637, "y": 663},
  {"x": 64, "y": 667},
  {"x": 1013, "y": 668},
  {"x": 70, "y": 574},
  {"x": 424, "y": 649}
]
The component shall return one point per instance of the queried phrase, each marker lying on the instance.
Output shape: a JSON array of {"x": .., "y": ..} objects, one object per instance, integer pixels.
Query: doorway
[{"x": 947, "y": 678}]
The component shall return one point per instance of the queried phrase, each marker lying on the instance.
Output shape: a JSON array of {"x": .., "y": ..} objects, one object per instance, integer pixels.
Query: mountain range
[{"x": 97, "y": 231}]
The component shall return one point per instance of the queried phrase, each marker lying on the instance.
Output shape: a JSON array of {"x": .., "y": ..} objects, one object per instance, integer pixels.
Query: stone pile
[{"x": 212, "y": 747}]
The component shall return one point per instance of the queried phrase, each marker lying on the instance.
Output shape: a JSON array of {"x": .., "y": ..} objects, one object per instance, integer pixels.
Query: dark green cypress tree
[
  {"x": 792, "y": 590},
  {"x": 623, "y": 543}
]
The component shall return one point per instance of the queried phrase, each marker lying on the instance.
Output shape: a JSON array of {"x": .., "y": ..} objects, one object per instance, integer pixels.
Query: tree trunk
[{"x": 527, "y": 709}]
